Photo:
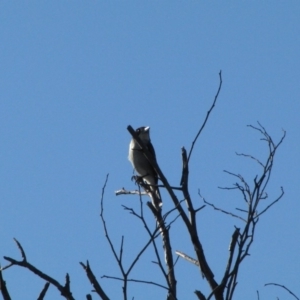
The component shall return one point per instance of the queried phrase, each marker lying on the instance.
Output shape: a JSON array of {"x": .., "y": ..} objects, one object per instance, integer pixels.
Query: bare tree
[{"x": 253, "y": 196}]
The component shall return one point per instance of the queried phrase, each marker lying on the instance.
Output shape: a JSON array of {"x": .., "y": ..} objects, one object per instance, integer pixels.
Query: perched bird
[{"x": 142, "y": 166}]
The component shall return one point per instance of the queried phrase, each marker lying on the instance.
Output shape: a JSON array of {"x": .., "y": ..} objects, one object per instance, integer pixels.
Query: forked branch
[
  {"x": 64, "y": 289},
  {"x": 253, "y": 196}
]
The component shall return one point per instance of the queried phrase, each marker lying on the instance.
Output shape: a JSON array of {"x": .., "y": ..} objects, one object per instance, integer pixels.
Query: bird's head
[{"x": 144, "y": 134}]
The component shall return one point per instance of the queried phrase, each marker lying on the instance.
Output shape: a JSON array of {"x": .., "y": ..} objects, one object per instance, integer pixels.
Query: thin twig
[
  {"x": 252, "y": 157},
  {"x": 276, "y": 200},
  {"x": 220, "y": 209},
  {"x": 135, "y": 280},
  {"x": 284, "y": 287},
  {"x": 21, "y": 249},
  {"x": 207, "y": 116}
]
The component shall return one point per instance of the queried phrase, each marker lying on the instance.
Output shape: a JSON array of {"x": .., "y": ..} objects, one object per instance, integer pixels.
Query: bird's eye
[{"x": 138, "y": 130}]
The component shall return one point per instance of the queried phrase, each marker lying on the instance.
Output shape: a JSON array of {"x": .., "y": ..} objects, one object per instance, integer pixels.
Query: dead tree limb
[
  {"x": 3, "y": 288},
  {"x": 64, "y": 290},
  {"x": 242, "y": 239},
  {"x": 94, "y": 281}
]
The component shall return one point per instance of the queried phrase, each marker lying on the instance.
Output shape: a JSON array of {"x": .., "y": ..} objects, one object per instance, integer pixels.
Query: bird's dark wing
[{"x": 151, "y": 150}]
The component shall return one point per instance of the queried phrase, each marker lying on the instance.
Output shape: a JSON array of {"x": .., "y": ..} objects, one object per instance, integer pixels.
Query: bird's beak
[{"x": 147, "y": 128}]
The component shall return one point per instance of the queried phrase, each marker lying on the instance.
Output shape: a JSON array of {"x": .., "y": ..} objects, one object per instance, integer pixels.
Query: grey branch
[
  {"x": 188, "y": 258},
  {"x": 126, "y": 192}
]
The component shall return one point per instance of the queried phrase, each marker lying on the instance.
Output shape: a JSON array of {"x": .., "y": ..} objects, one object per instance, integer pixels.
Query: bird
[{"x": 142, "y": 166}]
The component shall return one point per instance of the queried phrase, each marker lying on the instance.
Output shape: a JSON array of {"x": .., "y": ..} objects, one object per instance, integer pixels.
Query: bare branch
[
  {"x": 94, "y": 281},
  {"x": 6, "y": 267},
  {"x": 105, "y": 227},
  {"x": 140, "y": 253},
  {"x": 165, "y": 216},
  {"x": 125, "y": 192},
  {"x": 64, "y": 290},
  {"x": 252, "y": 157},
  {"x": 188, "y": 258},
  {"x": 121, "y": 249},
  {"x": 166, "y": 242},
  {"x": 284, "y": 287},
  {"x": 152, "y": 235},
  {"x": 276, "y": 200},
  {"x": 220, "y": 209},
  {"x": 200, "y": 295},
  {"x": 164, "y": 230},
  {"x": 252, "y": 197},
  {"x": 207, "y": 116},
  {"x": 200, "y": 208},
  {"x": 135, "y": 280},
  {"x": 191, "y": 225},
  {"x": 149, "y": 282},
  {"x": 44, "y": 291},
  {"x": 21, "y": 249},
  {"x": 232, "y": 246},
  {"x": 3, "y": 288}
]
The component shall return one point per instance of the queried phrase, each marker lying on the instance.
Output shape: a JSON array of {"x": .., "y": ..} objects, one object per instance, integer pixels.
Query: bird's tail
[
  {"x": 156, "y": 197},
  {"x": 149, "y": 183}
]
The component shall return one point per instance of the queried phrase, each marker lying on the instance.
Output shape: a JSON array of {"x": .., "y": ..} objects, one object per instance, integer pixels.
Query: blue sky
[{"x": 75, "y": 74}]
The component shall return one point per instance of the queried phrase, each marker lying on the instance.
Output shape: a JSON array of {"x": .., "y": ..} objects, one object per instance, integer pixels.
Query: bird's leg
[
  {"x": 147, "y": 187},
  {"x": 139, "y": 180}
]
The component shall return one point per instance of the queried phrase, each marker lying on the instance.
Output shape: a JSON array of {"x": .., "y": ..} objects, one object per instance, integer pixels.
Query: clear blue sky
[{"x": 75, "y": 74}]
